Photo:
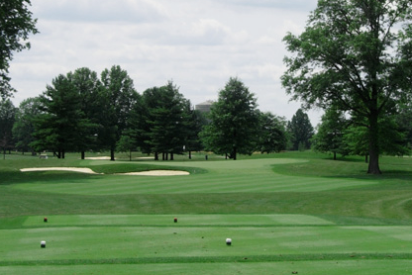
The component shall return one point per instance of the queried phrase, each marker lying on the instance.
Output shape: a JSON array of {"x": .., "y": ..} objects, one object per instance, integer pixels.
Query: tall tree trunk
[
  {"x": 190, "y": 154},
  {"x": 156, "y": 156},
  {"x": 373, "y": 144},
  {"x": 112, "y": 153},
  {"x": 334, "y": 155},
  {"x": 83, "y": 155},
  {"x": 171, "y": 156}
]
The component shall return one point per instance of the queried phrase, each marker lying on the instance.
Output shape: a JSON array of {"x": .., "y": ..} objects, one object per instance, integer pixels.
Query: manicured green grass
[
  {"x": 113, "y": 237},
  {"x": 285, "y": 212},
  {"x": 251, "y": 176},
  {"x": 168, "y": 220},
  {"x": 375, "y": 267}
]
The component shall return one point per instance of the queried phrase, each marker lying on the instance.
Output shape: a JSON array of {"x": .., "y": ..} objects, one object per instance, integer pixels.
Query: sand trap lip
[{"x": 90, "y": 171}]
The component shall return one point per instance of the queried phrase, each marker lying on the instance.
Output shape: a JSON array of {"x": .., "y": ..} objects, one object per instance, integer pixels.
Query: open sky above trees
[{"x": 197, "y": 44}]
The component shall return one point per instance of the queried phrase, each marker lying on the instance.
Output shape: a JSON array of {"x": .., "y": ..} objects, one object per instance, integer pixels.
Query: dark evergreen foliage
[
  {"x": 234, "y": 121},
  {"x": 23, "y": 128},
  {"x": 301, "y": 131},
  {"x": 7, "y": 118},
  {"x": 116, "y": 99}
]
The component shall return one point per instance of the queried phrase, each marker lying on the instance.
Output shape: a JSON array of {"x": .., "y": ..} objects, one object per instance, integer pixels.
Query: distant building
[{"x": 204, "y": 107}]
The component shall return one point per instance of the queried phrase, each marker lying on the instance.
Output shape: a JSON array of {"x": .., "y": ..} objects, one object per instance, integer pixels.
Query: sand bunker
[
  {"x": 98, "y": 158},
  {"x": 71, "y": 169},
  {"x": 158, "y": 173},
  {"x": 90, "y": 171}
]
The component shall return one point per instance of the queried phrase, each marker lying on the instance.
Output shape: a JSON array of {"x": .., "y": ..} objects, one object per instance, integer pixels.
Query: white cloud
[
  {"x": 136, "y": 11},
  {"x": 197, "y": 44},
  {"x": 295, "y": 5}
]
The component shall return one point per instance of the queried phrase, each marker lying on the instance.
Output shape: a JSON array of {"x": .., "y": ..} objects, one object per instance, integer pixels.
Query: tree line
[
  {"x": 82, "y": 111},
  {"x": 338, "y": 134}
]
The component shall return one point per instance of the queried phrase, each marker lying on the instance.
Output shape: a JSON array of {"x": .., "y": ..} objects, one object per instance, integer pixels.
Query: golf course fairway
[{"x": 280, "y": 222}]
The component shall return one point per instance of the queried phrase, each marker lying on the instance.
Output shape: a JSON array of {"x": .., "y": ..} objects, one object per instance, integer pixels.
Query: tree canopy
[
  {"x": 300, "y": 130},
  {"x": 60, "y": 124},
  {"x": 356, "y": 55},
  {"x": 117, "y": 98},
  {"x": 196, "y": 121},
  {"x": 166, "y": 120},
  {"x": 234, "y": 121},
  {"x": 7, "y": 118},
  {"x": 329, "y": 137},
  {"x": 272, "y": 133},
  {"x": 88, "y": 87},
  {"x": 23, "y": 128},
  {"x": 16, "y": 24}
]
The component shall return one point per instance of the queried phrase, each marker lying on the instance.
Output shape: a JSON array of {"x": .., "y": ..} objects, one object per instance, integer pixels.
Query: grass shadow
[{"x": 394, "y": 175}]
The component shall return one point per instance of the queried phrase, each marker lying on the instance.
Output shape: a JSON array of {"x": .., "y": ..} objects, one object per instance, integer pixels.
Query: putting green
[{"x": 251, "y": 176}]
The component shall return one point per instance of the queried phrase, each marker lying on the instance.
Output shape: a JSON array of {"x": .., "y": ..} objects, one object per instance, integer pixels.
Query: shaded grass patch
[{"x": 332, "y": 267}]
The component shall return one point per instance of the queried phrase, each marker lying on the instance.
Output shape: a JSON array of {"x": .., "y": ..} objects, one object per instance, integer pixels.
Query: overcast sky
[{"x": 198, "y": 44}]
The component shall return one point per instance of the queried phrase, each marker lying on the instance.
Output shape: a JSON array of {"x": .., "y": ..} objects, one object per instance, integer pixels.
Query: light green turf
[
  {"x": 168, "y": 220},
  {"x": 266, "y": 243},
  {"x": 370, "y": 267},
  {"x": 252, "y": 176},
  {"x": 94, "y": 241}
]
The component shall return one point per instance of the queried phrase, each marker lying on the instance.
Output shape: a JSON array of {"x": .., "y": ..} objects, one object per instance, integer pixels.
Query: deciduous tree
[
  {"x": 126, "y": 144},
  {"x": 356, "y": 55},
  {"x": 329, "y": 137},
  {"x": 16, "y": 24}
]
